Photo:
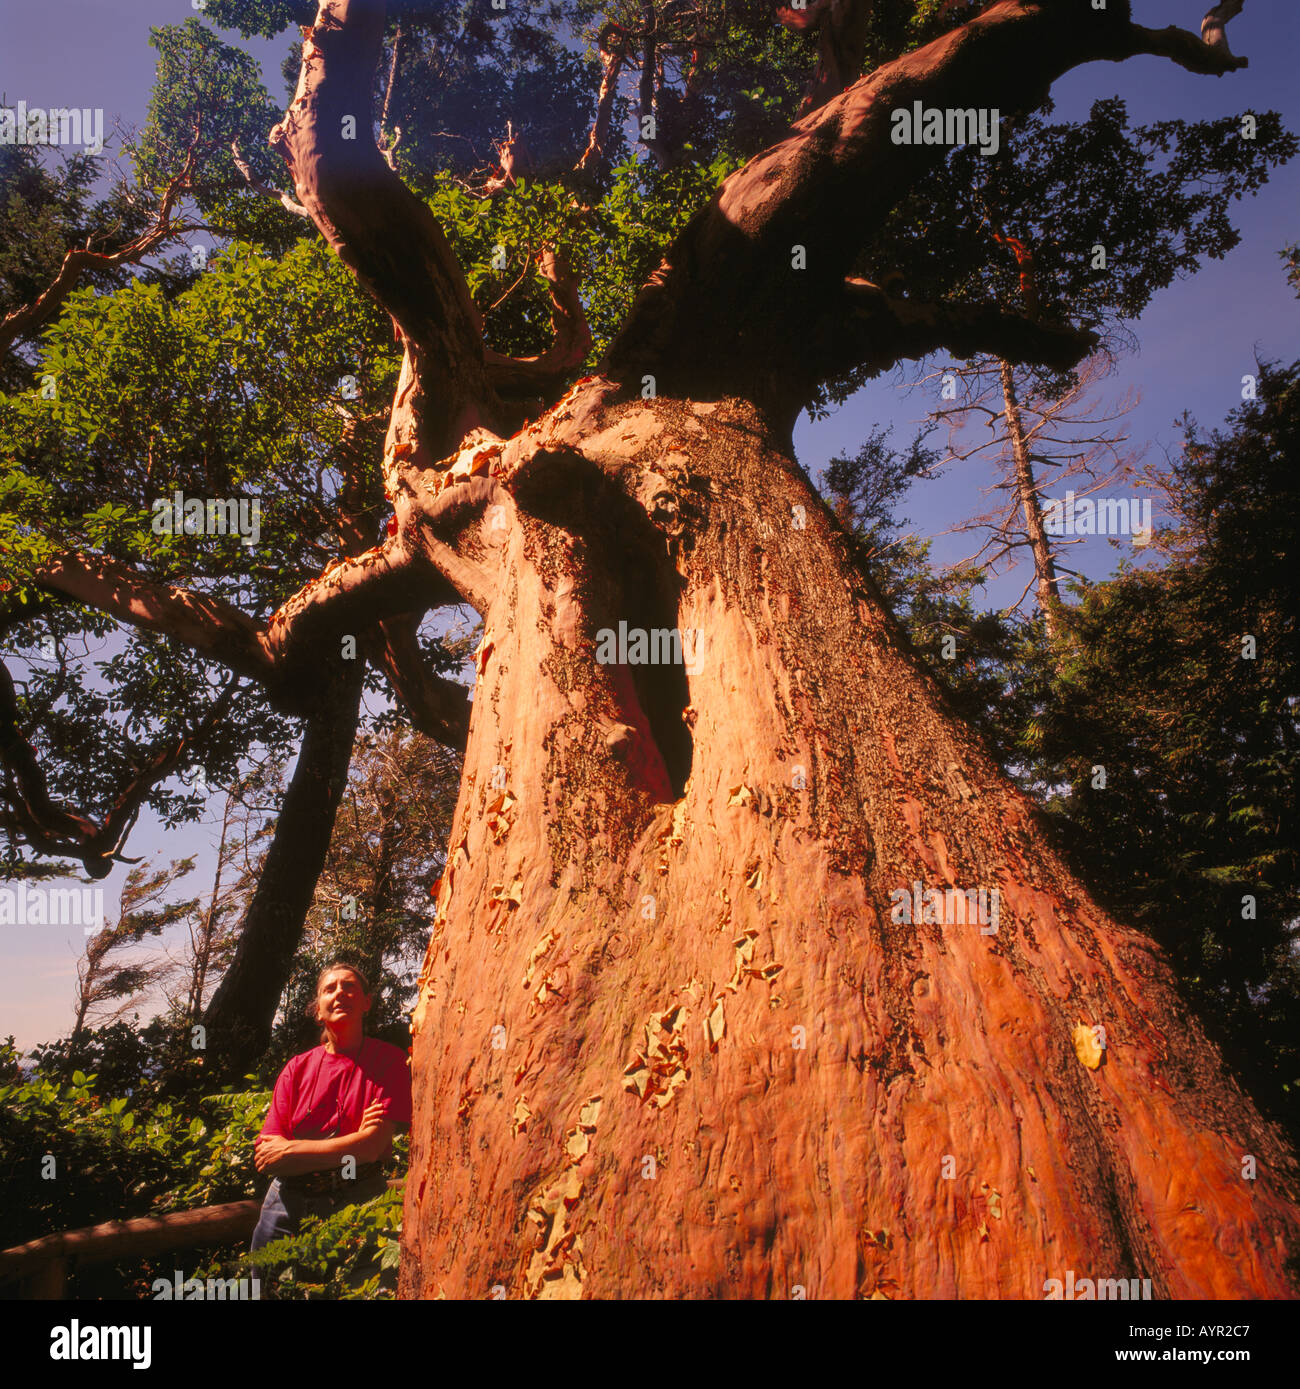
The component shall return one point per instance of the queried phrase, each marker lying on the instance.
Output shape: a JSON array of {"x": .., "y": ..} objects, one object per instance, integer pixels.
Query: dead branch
[
  {"x": 264, "y": 189},
  {"x": 612, "y": 45}
]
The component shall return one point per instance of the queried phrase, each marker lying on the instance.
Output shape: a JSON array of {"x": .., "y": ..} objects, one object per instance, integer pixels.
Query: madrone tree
[{"x": 707, "y": 1008}]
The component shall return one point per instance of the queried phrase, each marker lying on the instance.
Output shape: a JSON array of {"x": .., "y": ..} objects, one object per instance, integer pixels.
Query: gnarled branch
[
  {"x": 208, "y": 625},
  {"x": 264, "y": 189},
  {"x": 747, "y": 286},
  {"x": 1210, "y": 55},
  {"x": 571, "y": 343},
  {"x": 385, "y": 234},
  {"x": 60, "y": 832},
  {"x": 879, "y": 327},
  {"x": 348, "y": 598},
  {"x": 435, "y": 705}
]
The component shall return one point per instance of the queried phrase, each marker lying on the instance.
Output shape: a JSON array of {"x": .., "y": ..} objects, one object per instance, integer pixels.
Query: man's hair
[{"x": 320, "y": 980}]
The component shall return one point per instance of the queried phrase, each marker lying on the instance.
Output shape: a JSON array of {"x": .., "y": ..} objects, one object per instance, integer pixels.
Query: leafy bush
[
  {"x": 351, "y": 1255},
  {"x": 72, "y": 1156}
]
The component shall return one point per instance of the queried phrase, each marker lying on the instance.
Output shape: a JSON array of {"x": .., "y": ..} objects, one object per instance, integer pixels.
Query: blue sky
[{"x": 1197, "y": 339}]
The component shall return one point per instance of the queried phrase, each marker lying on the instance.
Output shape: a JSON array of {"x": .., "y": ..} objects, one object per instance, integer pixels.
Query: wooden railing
[{"x": 40, "y": 1267}]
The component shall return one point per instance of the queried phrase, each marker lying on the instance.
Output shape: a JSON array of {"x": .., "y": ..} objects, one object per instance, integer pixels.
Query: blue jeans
[{"x": 283, "y": 1210}]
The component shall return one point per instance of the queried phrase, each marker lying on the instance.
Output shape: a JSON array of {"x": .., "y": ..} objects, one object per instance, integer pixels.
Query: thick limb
[
  {"x": 881, "y": 327},
  {"x": 747, "y": 287}
]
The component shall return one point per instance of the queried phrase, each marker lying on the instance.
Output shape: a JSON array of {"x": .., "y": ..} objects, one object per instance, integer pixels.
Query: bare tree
[{"x": 1035, "y": 440}]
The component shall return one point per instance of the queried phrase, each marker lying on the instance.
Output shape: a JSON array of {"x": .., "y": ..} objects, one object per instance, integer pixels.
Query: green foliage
[
  {"x": 227, "y": 388},
  {"x": 208, "y": 94},
  {"x": 122, "y": 1055},
  {"x": 351, "y": 1255},
  {"x": 260, "y": 18},
  {"x": 233, "y": 386},
  {"x": 1155, "y": 197},
  {"x": 116, "y": 1156},
  {"x": 1291, "y": 256}
]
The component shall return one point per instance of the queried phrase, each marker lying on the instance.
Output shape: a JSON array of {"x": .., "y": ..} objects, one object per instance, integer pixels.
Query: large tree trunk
[
  {"x": 240, "y": 1016},
  {"x": 672, "y": 1039}
]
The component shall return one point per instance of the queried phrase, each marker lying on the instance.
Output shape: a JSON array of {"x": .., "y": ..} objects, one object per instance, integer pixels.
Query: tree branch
[
  {"x": 1208, "y": 55},
  {"x": 377, "y": 226},
  {"x": 731, "y": 309},
  {"x": 913, "y": 328},
  {"x": 264, "y": 189},
  {"x": 611, "y": 58},
  {"x": 435, "y": 705},
  {"x": 207, "y": 625},
  {"x": 27, "y": 318},
  {"x": 646, "y": 84},
  {"x": 54, "y": 829},
  {"x": 285, "y": 656},
  {"x": 549, "y": 369},
  {"x": 345, "y": 599},
  {"x": 547, "y": 372}
]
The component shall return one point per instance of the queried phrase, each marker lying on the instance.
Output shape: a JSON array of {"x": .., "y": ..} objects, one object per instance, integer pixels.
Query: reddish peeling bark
[{"x": 665, "y": 934}]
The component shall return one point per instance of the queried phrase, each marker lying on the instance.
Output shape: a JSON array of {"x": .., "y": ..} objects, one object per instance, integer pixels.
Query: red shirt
[{"x": 322, "y": 1094}]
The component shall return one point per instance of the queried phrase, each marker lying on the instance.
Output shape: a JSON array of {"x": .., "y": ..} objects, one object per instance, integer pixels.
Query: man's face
[{"x": 341, "y": 998}]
